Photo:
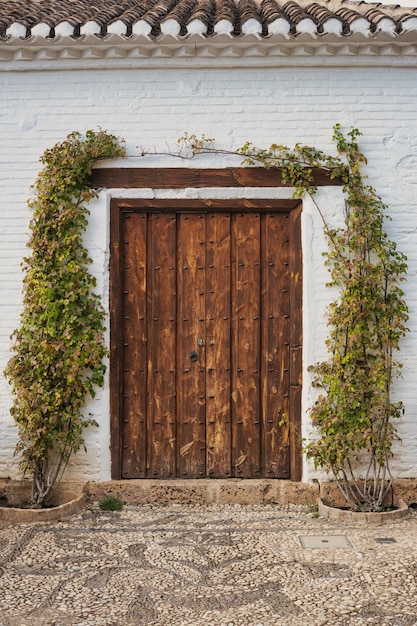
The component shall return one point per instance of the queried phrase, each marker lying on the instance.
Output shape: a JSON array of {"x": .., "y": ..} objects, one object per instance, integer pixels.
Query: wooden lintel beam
[
  {"x": 238, "y": 204},
  {"x": 179, "y": 178}
]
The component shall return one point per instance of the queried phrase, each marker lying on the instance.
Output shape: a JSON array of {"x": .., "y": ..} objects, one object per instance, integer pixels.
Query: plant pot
[
  {"x": 16, "y": 495},
  {"x": 26, "y": 516},
  {"x": 346, "y": 516}
]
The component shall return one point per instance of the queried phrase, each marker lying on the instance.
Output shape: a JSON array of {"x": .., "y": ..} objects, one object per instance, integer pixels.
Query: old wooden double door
[{"x": 204, "y": 303}]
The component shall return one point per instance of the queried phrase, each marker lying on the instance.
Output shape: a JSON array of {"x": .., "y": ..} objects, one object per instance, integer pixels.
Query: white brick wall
[{"x": 151, "y": 109}]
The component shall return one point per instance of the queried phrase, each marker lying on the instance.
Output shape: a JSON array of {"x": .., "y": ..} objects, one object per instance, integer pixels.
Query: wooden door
[{"x": 204, "y": 308}]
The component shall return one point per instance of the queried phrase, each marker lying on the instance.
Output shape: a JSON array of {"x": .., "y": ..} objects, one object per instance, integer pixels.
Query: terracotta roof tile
[
  {"x": 294, "y": 12},
  {"x": 205, "y": 12},
  {"x": 270, "y": 11},
  {"x": 248, "y": 10},
  {"x": 227, "y": 10},
  {"x": 208, "y": 17},
  {"x": 376, "y": 17}
]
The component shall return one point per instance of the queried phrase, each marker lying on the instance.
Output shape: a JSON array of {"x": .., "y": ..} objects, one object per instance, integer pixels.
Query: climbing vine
[
  {"x": 354, "y": 414},
  {"x": 58, "y": 347}
]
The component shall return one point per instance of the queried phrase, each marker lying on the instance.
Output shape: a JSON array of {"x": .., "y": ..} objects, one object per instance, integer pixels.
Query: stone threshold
[{"x": 206, "y": 491}]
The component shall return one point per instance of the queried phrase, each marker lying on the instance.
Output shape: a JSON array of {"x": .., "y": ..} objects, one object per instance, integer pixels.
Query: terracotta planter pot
[
  {"x": 344, "y": 516},
  {"x": 20, "y": 515}
]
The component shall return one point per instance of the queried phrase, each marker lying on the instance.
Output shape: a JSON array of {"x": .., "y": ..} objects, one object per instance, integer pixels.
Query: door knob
[{"x": 193, "y": 356}]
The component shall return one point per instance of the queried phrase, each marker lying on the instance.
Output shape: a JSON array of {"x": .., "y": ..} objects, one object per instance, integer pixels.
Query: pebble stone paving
[{"x": 223, "y": 565}]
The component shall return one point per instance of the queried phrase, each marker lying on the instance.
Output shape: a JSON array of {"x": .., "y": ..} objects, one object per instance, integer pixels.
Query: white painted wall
[{"x": 151, "y": 108}]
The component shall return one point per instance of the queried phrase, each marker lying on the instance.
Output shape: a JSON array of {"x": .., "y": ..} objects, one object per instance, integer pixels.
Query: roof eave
[{"x": 116, "y": 51}]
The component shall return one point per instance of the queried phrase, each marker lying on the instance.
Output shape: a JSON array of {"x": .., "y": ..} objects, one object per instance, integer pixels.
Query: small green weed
[{"x": 110, "y": 503}]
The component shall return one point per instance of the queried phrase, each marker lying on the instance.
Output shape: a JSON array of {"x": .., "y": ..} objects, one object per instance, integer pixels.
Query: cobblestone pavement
[{"x": 209, "y": 565}]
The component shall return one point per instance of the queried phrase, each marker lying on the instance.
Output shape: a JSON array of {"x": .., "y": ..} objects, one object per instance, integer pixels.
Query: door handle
[{"x": 193, "y": 356}]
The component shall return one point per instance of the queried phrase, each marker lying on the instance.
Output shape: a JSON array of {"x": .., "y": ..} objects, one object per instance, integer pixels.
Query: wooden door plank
[
  {"x": 116, "y": 339},
  {"x": 275, "y": 307},
  {"x": 246, "y": 346},
  {"x": 296, "y": 335},
  {"x": 191, "y": 395},
  {"x": 161, "y": 345},
  {"x": 218, "y": 417},
  {"x": 134, "y": 346}
]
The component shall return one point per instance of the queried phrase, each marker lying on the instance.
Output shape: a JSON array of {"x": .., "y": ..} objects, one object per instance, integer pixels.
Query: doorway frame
[{"x": 122, "y": 206}]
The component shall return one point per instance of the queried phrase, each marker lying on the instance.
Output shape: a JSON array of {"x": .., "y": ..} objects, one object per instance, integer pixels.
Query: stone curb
[
  {"x": 27, "y": 516},
  {"x": 341, "y": 515}
]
